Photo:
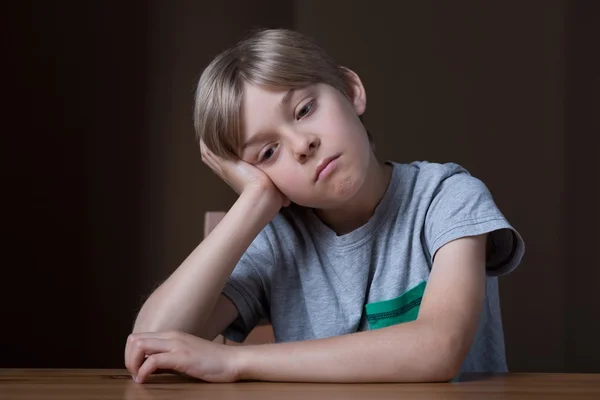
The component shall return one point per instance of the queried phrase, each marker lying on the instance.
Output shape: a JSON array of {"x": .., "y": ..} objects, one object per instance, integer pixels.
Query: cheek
[
  {"x": 291, "y": 188},
  {"x": 347, "y": 129},
  {"x": 283, "y": 179}
]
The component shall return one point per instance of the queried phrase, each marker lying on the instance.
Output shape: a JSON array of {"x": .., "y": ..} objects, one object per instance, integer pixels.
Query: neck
[{"x": 358, "y": 210}]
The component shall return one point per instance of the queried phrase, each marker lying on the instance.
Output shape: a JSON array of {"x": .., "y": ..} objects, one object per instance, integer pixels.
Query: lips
[{"x": 323, "y": 164}]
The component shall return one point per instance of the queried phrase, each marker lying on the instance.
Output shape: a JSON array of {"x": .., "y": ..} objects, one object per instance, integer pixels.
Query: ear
[{"x": 358, "y": 97}]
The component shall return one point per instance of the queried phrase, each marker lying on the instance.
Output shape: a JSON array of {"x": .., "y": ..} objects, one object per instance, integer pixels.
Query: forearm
[
  {"x": 185, "y": 300},
  {"x": 411, "y": 352}
]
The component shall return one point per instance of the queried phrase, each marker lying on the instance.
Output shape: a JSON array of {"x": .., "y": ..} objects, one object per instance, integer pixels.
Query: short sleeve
[
  {"x": 247, "y": 288},
  {"x": 463, "y": 206}
]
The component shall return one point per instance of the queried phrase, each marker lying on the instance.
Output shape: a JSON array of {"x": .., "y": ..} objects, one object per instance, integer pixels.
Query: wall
[
  {"x": 71, "y": 172},
  {"x": 582, "y": 124}
]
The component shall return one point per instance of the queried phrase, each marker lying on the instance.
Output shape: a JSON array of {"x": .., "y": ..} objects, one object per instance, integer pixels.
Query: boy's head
[{"x": 278, "y": 101}]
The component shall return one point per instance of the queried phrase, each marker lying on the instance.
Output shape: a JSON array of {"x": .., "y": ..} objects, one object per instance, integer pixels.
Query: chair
[{"x": 263, "y": 333}]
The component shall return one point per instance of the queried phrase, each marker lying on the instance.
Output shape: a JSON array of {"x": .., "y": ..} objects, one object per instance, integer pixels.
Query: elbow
[
  {"x": 445, "y": 359},
  {"x": 440, "y": 369},
  {"x": 445, "y": 371},
  {"x": 450, "y": 355}
]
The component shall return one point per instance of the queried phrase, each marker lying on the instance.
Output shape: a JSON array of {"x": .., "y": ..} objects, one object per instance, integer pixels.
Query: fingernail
[{"x": 134, "y": 378}]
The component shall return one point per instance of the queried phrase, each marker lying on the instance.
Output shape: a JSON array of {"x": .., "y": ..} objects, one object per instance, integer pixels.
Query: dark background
[{"x": 104, "y": 191}]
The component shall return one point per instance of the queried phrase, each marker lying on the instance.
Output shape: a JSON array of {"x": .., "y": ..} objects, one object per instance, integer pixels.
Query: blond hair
[{"x": 274, "y": 57}]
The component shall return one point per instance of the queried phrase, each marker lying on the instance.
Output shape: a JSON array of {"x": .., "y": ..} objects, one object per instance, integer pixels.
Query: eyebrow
[
  {"x": 286, "y": 99},
  {"x": 259, "y": 137}
]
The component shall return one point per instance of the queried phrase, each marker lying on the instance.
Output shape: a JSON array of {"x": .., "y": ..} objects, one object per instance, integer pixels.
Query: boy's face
[{"x": 292, "y": 135}]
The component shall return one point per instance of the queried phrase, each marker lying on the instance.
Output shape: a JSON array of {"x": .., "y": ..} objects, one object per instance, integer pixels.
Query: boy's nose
[{"x": 305, "y": 146}]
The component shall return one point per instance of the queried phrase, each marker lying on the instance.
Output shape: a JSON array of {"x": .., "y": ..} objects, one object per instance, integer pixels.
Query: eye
[
  {"x": 305, "y": 110},
  {"x": 268, "y": 153}
]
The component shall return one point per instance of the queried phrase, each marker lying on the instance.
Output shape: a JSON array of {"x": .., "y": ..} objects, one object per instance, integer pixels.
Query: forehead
[
  {"x": 257, "y": 95},
  {"x": 262, "y": 105},
  {"x": 251, "y": 90}
]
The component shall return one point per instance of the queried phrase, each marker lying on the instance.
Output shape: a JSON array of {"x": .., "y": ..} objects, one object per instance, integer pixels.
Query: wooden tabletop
[{"x": 33, "y": 384}]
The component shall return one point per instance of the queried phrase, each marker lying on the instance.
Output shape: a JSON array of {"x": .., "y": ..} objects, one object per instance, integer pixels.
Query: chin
[
  {"x": 343, "y": 189},
  {"x": 347, "y": 187}
]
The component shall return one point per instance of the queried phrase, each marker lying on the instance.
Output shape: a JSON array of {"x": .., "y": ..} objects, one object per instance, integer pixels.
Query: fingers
[
  {"x": 204, "y": 152},
  {"x": 158, "y": 361},
  {"x": 153, "y": 345},
  {"x": 210, "y": 159},
  {"x": 147, "y": 347},
  {"x": 139, "y": 345},
  {"x": 207, "y": 155}
]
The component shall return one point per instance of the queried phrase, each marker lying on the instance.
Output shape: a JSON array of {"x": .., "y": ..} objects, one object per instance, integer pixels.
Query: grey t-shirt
[{"x": 311, "y": 283}]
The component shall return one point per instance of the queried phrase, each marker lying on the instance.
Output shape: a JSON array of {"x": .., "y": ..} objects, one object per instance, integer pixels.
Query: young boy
[{"x": 369, "y": 271}]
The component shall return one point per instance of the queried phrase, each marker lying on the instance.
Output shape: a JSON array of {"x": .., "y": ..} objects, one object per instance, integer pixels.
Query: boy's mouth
[{"x": 325, "y": 166}]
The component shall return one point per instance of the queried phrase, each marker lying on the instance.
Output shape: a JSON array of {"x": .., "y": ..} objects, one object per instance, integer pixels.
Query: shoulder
[
  {"x": 425, "y": 180},
  {"x": 430, "y": 171}
]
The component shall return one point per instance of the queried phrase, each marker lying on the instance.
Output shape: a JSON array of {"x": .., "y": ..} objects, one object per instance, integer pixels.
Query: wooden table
[{"x": 19, "y": 384}]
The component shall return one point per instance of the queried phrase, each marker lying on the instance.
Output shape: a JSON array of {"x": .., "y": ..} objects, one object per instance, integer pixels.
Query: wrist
[
  {"x": 264, "y": 201},
  {"x": 242, "y": 362}
]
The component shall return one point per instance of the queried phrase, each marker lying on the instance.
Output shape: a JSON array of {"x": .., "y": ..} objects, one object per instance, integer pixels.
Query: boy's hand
[
  {"x": 179, "y": 352},
  {"x": 242, "y": 176}
]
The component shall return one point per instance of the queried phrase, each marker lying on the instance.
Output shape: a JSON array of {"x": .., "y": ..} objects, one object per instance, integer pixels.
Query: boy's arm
[
  {"x": 431, "y": 348},
  {"x": 185, "y": 302},
  {"x": 186, "y": 299},
  {"x": 190, "y": 300}
]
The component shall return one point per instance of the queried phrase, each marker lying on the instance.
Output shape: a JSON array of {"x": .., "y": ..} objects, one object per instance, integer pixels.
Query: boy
[{"x": 368, "y": 271}]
